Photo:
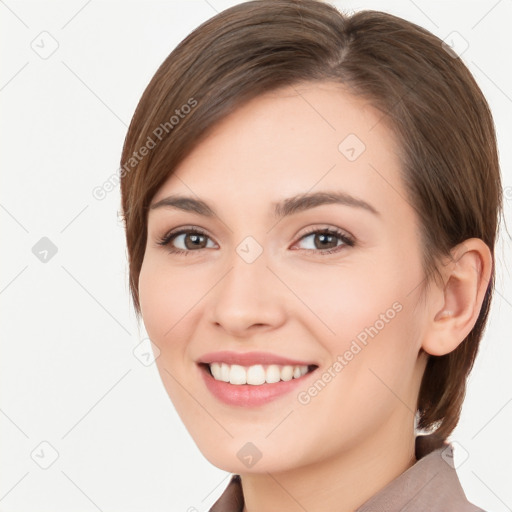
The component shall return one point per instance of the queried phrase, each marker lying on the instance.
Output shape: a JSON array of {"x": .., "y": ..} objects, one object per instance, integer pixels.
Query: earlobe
[{"x": 465, "y": 279}]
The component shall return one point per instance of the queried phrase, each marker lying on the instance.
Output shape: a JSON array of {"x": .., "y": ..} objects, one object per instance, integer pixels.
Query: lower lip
[{"x": 247, "y": 395}]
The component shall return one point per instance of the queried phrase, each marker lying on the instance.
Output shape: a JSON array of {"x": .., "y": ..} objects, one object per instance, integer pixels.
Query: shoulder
[{"x": 430, "y": 484}]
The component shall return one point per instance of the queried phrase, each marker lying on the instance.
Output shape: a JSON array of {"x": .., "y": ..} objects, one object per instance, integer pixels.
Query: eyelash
[{"x": 346, "y": 239}]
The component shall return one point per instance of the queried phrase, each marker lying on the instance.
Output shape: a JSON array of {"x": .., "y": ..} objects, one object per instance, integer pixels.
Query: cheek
[
  {"x": 370, "y": 375},
  {"x": 154, "y": 302},
  {"x": 377, "y": 326},
  {"x": 167, "y": 299},
  {"x": 369, "y": 318},
  {"x": 349, "y": 300},
  {"x": 162, "y": 308}
]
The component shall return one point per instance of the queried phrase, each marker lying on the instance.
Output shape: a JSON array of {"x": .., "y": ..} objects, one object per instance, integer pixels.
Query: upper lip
[{"x": 249, "y": 358}]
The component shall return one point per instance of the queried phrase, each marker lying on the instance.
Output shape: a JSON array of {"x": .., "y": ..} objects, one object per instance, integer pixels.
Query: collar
[{"x": 430, "y": 484}]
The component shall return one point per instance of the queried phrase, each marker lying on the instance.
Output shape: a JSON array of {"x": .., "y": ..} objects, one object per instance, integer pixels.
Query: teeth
[{"x": 256, "y": 374}]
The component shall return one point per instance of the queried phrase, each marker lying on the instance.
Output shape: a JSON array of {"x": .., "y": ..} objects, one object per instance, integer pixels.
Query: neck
[{"x": 342, "y": 483}]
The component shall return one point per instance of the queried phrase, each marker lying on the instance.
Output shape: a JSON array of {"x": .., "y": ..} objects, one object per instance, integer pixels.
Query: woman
[{"x": 311, "y": 203}]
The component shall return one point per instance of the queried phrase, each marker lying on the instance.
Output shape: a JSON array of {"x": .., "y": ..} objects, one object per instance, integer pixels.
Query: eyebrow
[{"x": 284, "y": 208}]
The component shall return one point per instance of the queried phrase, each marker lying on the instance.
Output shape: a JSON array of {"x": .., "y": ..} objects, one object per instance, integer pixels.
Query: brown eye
[
  {"x": 185, "y": 241},
  {"x": 326, "y": 241},
  {"x": 193, "y": 240}
]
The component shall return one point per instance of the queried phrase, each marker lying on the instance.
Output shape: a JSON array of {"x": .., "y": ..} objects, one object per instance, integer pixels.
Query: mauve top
[{"x": 430, "y": 485}]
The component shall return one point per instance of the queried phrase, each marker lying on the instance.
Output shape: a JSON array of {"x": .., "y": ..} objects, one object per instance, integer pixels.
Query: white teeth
[
  {"x": 273, "y": 374},
  {"x": 256, "y": 374},
  {"x": 287, "y": 373},
  {"x": 237, "y": 374},
  {"x": 224, "y": 372}
]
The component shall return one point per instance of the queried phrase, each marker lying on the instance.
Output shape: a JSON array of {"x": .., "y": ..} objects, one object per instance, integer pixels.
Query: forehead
[{"x": 290, "y": 141}]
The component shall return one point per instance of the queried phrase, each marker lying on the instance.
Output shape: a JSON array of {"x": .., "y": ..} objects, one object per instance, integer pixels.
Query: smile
[
  {"x": 248, "y": 389},
  {"x": 257, "y": 374}
]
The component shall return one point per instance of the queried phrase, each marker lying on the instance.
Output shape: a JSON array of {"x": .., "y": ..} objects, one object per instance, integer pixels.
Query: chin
[{"x": 244, "y": 457}]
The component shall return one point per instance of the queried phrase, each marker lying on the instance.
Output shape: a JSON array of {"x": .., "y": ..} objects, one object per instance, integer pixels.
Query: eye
[
  {"x": 325, "y": 241},
  {"x": 190, "y": 239},
  {"x": 195, "y": 239}
]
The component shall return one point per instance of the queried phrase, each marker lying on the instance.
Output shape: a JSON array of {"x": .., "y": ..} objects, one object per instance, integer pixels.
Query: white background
[{"x": 68, "y": 373}]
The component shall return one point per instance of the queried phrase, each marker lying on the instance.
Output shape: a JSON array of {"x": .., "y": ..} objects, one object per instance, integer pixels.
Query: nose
[{"x": 248, "y": 298}]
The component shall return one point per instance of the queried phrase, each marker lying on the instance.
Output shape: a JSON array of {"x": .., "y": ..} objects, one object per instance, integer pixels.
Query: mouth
[
  {"x": 256, "y": 385},
  {"x": 256, "y": 375}
]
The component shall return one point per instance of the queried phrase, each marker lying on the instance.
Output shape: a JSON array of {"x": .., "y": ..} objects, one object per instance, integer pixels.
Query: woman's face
[{"x": 332, "y": 283}]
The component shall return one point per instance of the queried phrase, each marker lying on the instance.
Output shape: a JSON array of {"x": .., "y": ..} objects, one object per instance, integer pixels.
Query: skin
[{"x": 357, "y": 434}]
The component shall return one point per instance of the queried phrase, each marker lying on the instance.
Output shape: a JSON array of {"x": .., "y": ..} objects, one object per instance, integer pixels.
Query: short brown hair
[{"x": 426, "y": 94}]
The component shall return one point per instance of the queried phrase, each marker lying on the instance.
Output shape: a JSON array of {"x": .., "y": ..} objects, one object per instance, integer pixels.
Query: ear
[{"x": 459, "y": 298}]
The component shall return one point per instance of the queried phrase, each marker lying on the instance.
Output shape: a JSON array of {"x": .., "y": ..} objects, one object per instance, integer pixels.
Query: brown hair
[{"x": 426, "y": 94}]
